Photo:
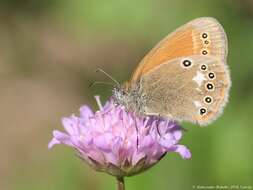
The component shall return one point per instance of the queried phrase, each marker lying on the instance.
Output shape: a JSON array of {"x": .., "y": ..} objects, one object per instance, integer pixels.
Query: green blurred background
[{"x": 48, "y": 53}]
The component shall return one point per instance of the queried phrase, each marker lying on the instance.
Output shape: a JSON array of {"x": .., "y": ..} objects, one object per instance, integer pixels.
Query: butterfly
[{"x": 185, "y": 77}]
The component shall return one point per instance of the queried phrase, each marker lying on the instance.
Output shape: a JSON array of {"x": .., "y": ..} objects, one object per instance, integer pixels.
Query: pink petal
[
  {"x": 86, "y": 113},
  {"x": 62, "y": 138},
  {"x": 183, "y": 151},
  {"x": 53, "y": 142}
]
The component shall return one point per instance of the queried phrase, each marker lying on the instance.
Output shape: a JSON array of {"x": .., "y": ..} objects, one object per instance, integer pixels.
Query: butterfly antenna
[
  {"x": 98, "y": 82},
  {"x": 109, "y": 76}
]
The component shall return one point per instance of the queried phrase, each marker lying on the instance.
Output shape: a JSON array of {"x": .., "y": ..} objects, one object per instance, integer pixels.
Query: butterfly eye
[
  {"x": 204, "y": 35},
  {"x": 208, "y": 99},
  {"x": 202, "y": 111},
  {"x": 211, "y": 75},
  {"x": 203, "y": 67},
  {"x": 186, "y": 63},
  {"x": 210, "y": 86}
]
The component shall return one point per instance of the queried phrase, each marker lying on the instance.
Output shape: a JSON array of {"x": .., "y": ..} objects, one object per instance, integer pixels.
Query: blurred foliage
[
  {"x": 48, "y": 53},
  {"x": 28, "y": 7}
]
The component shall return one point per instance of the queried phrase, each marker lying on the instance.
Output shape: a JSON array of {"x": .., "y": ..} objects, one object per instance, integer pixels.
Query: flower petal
[
  {"x": 69, "y": 125},
  {"x": 62, "y": 138},
  {"x": 53, "y": 142},
  {"x": 85, "y": 113},
  {"x": 183, "y": 151}
]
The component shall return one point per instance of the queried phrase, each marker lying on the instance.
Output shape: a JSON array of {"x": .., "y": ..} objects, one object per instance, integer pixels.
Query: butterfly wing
[
  {"x": 193, "y": 88},
  {"x": 202, "y": 36}
]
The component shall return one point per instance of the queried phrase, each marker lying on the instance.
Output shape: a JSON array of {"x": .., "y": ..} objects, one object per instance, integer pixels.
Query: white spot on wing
[
  {"x": 199, "y": 78},
  {"x": 197, "y": 104}
]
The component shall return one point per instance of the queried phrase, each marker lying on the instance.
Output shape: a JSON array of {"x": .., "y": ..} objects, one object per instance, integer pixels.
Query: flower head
[{"x": 118, "y": 142}]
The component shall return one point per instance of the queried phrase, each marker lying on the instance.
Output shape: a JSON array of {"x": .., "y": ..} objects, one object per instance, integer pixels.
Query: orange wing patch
[
  {"x": 178, "y": 44},
  {"x": 202, "y": 36}
]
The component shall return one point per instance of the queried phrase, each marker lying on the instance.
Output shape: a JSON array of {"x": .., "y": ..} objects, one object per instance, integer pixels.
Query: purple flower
[{"x": 118, "y": 142}]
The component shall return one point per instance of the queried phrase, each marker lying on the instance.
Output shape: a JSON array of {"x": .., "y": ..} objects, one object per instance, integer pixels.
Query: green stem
[{"x": 120, "y": 183}]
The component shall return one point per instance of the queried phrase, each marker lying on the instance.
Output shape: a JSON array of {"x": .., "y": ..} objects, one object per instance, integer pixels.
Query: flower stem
[{"x": 120, "y": 183}]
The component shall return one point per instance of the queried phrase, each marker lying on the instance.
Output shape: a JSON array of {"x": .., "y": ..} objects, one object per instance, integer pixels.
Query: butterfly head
[
  {"x": 128, "y": 96},
  {"x": 121, "y": 95}
]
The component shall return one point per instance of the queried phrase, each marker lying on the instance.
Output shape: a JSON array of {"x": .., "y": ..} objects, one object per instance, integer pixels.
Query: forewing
[{"x": 202, "y": 36}]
